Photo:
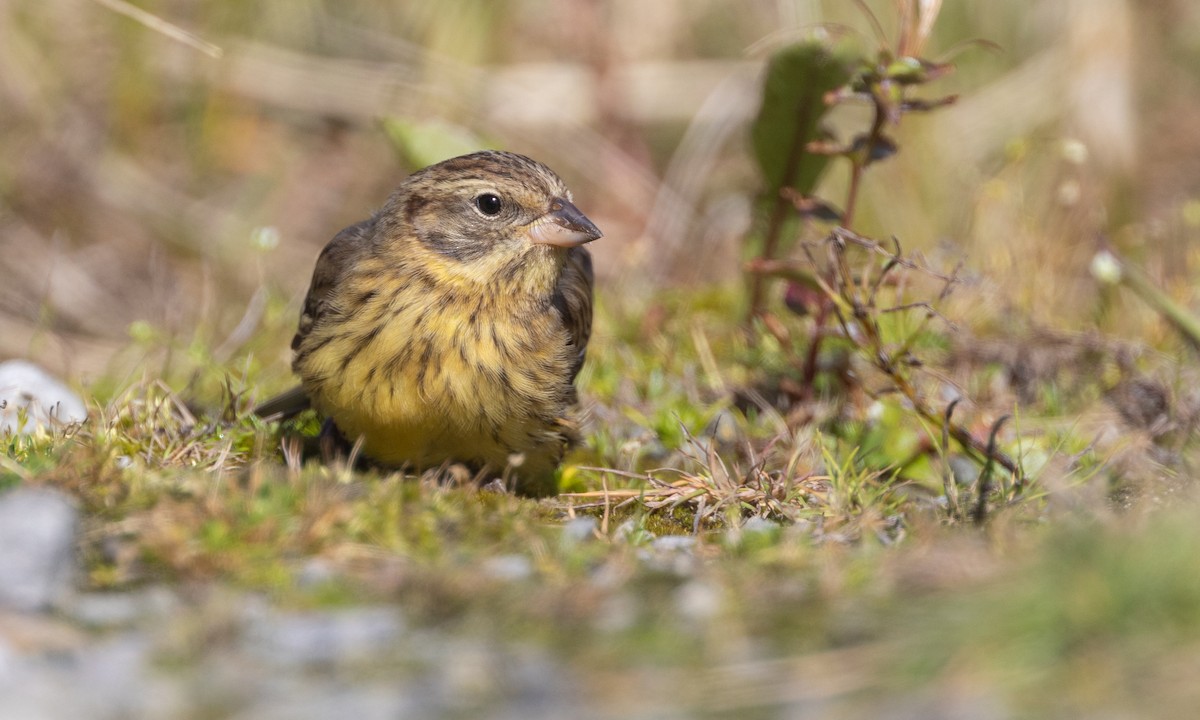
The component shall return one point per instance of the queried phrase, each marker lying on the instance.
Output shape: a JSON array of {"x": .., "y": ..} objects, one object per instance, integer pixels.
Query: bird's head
[{"x": 489, "y": 214}]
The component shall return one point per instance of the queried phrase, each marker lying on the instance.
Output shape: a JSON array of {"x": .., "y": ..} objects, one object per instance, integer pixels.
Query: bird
[{"x": 450, "y": 327}]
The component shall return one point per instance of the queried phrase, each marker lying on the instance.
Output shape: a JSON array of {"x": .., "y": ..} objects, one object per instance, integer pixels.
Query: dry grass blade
[
  {"x": 713, "y": 487},
  {"x": 159, "y": 25}
]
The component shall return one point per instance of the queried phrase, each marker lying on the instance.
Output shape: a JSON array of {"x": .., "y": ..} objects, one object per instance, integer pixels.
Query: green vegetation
[{"x": 879, "y": 468}]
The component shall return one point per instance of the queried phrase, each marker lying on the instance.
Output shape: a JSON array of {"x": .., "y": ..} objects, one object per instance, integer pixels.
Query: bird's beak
[{"x": 564, "y": 226}]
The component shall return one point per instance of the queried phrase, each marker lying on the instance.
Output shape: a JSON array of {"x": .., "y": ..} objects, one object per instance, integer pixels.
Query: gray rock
[
  {"x": 669, "y": 544},
  {"x": 761, "y": 525},
  {"x": 633, "y": 533},
  {"x": 580, "y": 529},
  {"x": 698, "y": 600},
  {"x": 121, "y": 609},
  {"x": 298, "y": 698},
  {"x": 113, "y": 675},
  {"x": 617, "y": 613},
  {"x": 45, "y": 400},
  {"x": 964, "y": 470},
  {"x": 508, "y": 567},
  {"x": 323, "y": 638},
  {"x": 673, "y": 554},
  {"x": 37, "y": 548},
  {"x": 110, "y": 679},
  {"x": 756, "y": 530},
  {"x": 479, "y": 679},
  {"x": 535, "y": 685},
  {"x": 315, "y": 572}
]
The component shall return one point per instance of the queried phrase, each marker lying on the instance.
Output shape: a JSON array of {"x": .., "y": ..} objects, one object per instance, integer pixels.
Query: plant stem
[{"x": 856, "y": 172}]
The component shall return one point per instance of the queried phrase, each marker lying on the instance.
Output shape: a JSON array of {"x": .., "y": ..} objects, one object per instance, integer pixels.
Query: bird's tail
[{"x": 284, "y": 406}]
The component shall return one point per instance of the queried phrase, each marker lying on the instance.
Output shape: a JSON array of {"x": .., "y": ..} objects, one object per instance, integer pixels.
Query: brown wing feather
[
  {"x": 340, "y": 254},
  {"x": 573, "y": 299}
]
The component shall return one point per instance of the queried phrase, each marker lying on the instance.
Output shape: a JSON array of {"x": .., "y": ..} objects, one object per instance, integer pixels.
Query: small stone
[
  {"x": 964, "y": 470},
  {"x": 755, "y": 532},
  {"x": 314, "y": 573},
  {"x": 673, "y": 554},
  {"x": 121, "y": 609},
  {"x": 37, "y": 548},
  {"x": 508, "y": 567},
  {"x": 616, "y": 613},
  {"x": 760, "y": 525},
  {"x": 674, "y": 544},
  {"x": 580, "y": 529},
  {"x": 632, "y": 533},
  {"x": 495, "y": 486},
  {"x": 698, "y": 601},
  {"x": 294, "y": 698},
  {"x": 113, "y": 673},
  {"x": 322, "y": 638},
  {"x": 105, "y": 610},
  {"x": 26, "y": 389}
]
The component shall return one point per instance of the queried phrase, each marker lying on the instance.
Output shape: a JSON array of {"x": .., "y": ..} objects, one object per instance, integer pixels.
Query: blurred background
[{"x": 169, "y": 170}]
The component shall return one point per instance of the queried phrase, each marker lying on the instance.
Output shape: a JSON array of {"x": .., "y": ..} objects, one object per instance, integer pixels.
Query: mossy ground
[
  {"x": 734, "y": 536},
  {"x": 861, "y": 584}
]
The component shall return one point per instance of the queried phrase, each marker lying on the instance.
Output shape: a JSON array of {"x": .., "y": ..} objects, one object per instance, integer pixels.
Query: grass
[
  {"x": 858, "y": 589},
  {"x": 746, "y": 526}
]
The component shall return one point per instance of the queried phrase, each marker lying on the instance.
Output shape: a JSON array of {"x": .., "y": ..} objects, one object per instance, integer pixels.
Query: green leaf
[
  {"x": 424, "y": 143},
  {"x": 906, "y": 70},
  {"x": 798, "y": 79}
]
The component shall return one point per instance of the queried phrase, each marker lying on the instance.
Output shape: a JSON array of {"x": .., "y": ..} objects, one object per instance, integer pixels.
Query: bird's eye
[{"x": 489, "y": 204}]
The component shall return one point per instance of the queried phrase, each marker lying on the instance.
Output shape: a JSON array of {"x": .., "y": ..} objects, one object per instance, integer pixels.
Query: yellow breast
[{"x": 439, "y": 379}]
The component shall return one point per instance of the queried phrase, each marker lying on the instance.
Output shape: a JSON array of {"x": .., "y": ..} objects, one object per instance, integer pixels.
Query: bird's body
[{"x": 450, "y": 326}]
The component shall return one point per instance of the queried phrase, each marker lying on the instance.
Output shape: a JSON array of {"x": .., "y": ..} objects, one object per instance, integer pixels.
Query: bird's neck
[
  {"x": 533, "y": 275},
  {"x": 530, "y": 275}
]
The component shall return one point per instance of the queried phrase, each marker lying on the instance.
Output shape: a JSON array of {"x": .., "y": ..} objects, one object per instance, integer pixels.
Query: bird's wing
[
  {"x": 338, "y": 255},
  {"x": 573, "y": 298}
]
